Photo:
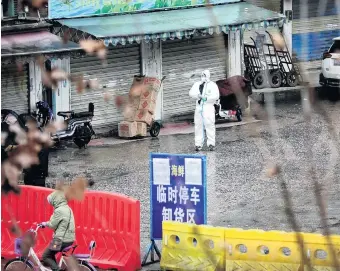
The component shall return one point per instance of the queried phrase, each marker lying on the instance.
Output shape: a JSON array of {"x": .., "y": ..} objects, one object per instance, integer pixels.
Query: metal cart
[
  {"x": 155, "y": 127},
  {"x": 262, "y": 65},
  {"x": 272, "y": 62},
  {"x": 290, "y": 71},
  {"x": 254, "y": 68}
]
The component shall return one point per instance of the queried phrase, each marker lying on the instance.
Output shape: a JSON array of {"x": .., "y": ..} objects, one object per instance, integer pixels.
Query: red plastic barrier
[{"x": 112, "y": 220}]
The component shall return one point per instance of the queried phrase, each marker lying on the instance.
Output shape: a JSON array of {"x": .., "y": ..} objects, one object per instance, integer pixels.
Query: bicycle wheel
[
  {"x": 18, "y": 265},
  {"x": 85, "y": 266}
]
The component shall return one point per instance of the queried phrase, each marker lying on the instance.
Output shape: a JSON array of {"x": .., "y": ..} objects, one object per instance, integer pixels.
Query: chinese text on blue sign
[{"x": 178, "y": 190}]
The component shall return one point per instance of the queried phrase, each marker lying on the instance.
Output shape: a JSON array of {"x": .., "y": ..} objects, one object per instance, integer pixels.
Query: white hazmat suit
[{"x": 206, "y": 94}]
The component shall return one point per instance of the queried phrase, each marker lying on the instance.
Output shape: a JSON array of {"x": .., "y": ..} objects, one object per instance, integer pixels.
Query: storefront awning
[
  {"x": 182, "y": 23},
  {"x": 42, "y": 42}
]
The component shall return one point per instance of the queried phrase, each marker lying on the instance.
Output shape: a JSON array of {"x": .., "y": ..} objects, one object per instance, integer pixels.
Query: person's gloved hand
[{"x": 204, "y": 99}]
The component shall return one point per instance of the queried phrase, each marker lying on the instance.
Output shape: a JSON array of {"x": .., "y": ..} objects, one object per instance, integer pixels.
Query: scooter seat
[
  {"x": 65, "y": 114},
  {"x": 83, "y": 114}
]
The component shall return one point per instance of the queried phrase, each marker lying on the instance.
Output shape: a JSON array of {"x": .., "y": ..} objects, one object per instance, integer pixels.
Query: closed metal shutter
[
  {"x": 182, "y": 64},
  {"x": 123, "y": 63},
  {"x": 274, "y": 5},
  {"x": 14, "y": 88}
]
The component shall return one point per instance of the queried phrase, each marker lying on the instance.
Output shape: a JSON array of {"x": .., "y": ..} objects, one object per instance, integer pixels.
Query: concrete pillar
[
  {"x": 234, "y": 53},
  {"x": 35, "y": 85},
  {"x": 235, "y": 58},
  {"x": 61, "y": 95},
  {"x": 288, "y": 26},
  {"x": 151, "y": 54}
]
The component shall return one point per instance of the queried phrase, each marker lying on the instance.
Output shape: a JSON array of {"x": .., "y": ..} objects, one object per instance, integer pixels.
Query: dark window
[
  {"x": 47, "y": 94},
  {"x": 4, "y": 7},
  {"x": 335, "y": 47}
]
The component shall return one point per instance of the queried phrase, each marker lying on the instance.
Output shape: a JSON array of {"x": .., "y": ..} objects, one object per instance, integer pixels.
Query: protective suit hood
[{"x": 205, "y": 76}]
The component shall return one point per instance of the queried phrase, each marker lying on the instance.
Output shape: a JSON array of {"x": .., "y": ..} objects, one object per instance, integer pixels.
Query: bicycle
[{"x": 24, "y": 263}]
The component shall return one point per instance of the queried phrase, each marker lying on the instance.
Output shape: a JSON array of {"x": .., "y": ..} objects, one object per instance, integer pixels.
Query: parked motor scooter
[
  {"x": 227, "y": 114},
  {"x": 78, "y": 125},
  {"x": 234, "y": 93},
  {"x": 44, "y": 113}
]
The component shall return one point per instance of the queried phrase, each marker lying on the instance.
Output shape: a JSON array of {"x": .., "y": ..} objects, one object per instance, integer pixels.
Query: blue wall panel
[{"x": 317, "y": 43}]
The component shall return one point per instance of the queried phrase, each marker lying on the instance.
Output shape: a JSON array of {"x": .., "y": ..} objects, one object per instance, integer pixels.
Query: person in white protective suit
[{"x": 206, "y": 94}]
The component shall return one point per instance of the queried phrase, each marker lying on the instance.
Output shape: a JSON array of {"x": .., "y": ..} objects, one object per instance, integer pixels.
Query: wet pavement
[{"x": 239, "y": 192}]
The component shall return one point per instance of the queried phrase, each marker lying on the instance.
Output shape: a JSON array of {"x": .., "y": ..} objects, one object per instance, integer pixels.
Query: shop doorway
[{"x": 47, "y": 91}]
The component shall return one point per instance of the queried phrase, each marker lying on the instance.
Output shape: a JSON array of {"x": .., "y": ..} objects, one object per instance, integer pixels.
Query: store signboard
[{"x": 86, "y": 8}]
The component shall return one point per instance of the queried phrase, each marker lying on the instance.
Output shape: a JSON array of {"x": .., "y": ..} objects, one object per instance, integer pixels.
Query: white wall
[
  {"x": 151, "y": 54},
  {"x": 235, "y": 58},
  {"x": 288, "y": 26},
  {"x": 61, "y": 94},
  {"x": 234, "y": 53},
  {"x": 35, "y": 85}
]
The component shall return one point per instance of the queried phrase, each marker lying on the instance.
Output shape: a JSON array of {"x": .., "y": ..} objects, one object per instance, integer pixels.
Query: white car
[{"x": 330, "y": 75}]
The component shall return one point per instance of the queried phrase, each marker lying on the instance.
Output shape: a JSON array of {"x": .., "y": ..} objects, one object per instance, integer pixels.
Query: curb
[{"x": 184, "y": 129}]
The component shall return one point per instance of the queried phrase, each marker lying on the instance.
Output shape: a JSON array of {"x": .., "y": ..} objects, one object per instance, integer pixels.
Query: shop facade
[
  {"x": 123, "y": 62},
  {"x": 315, "y": 24},
  {"x": 182, "y": 63},
  {"x": 179, "y": 46},
  {"x": 21, "y": 84}
]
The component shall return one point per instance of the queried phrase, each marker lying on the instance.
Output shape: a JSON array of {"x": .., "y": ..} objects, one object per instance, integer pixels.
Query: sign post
[{"x": 177, "y": 193}]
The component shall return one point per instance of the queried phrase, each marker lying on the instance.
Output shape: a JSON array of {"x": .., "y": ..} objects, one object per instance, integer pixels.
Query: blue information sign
[{"x": 178, "y": 190}]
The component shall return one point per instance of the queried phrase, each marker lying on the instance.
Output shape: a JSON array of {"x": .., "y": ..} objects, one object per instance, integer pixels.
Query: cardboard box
[
  {"x": 129, "y": 113},
  {"x": 148, "y": 105},
  {"x": 133, "y": 102},
  {"x": 148, "y": 101},
  {"x": 127, "y": 129},
  {"x": 149, "y": 95},
  {"x": 141, "y": 129},
  {"x": 142, "y": 83},
  {"x": 143, "y": 116},
  {"x": 152, "y": 84},
  {"x": 137, "y": 86}
]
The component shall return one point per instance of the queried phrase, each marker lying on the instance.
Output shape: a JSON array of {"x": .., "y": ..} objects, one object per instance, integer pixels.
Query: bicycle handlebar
[{"x": 37, "y": 228}]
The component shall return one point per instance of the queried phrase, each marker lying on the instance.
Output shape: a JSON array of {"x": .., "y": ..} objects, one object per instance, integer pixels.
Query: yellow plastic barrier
[
  {"x": 260, "y": 250},
  {"x": 276, "y": 250},
  {"x": 319, "y": 252},
  {"x": 192, "y": 247}
]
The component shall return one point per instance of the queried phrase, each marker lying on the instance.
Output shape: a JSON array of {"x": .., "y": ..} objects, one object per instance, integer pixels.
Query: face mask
[{"x": 203, "y": 78}]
